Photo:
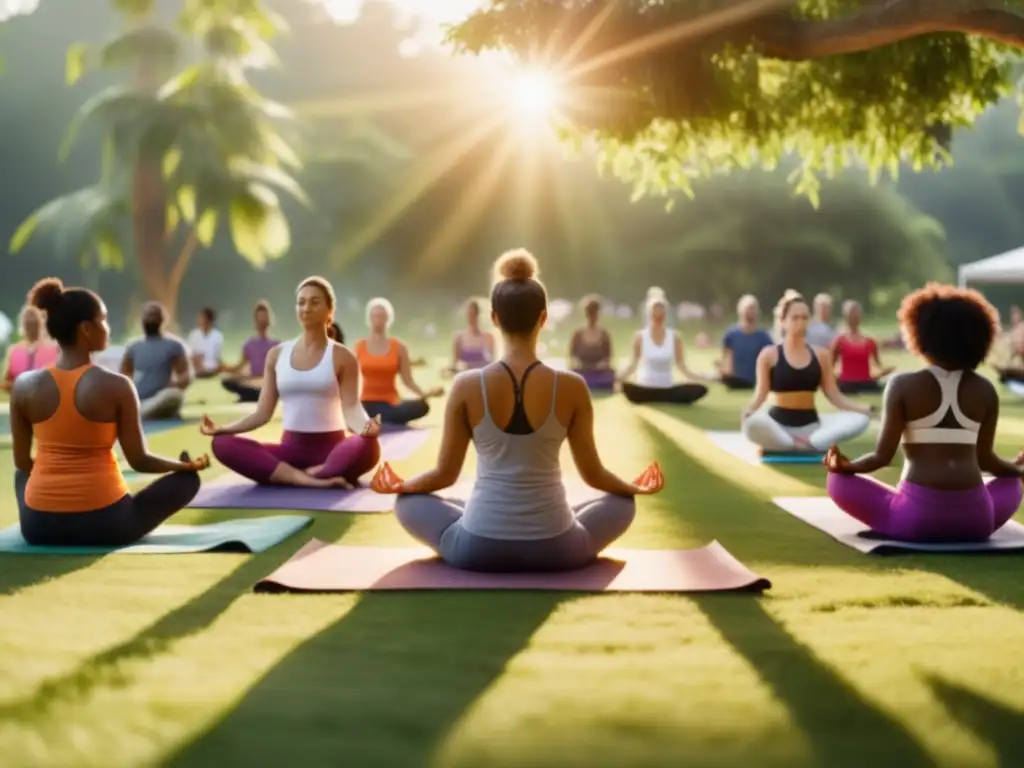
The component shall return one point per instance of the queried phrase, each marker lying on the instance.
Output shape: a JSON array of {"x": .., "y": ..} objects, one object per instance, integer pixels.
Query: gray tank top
[{"x": 518, "y": 493}]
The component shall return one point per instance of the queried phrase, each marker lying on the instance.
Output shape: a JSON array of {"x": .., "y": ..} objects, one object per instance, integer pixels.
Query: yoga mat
[
  {"x": 824, "y": 515},
  {"x": 322, "y": 567},
  {"x": 399, "y": 444},
  {"x": 736, "y": 444},
  {"x": 156, "y": 426},
  {"x": 231, "y": 491},
  {"x": 247, "y": 536}
]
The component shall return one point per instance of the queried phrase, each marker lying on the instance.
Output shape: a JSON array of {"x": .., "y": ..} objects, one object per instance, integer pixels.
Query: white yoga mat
[{"x": 823, "y": 514}]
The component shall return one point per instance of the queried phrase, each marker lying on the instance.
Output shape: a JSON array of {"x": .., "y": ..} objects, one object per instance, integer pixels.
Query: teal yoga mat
[{"x": 253, "y": 535}]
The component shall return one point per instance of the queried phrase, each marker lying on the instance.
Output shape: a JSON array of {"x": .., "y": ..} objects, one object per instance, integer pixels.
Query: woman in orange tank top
[
  {"x": 72, "y": 493},
  {"x": 382, "y": 360}
]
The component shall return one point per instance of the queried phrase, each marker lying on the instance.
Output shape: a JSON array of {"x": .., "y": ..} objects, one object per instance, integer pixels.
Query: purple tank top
[{"x": 255, "y": 351}]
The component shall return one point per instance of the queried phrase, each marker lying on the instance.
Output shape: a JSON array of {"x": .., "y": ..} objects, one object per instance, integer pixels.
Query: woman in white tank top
[
  {"x": 518, "y": 413},
  {"x": 317, "y": 381},
  {"x": 945, "y": 416},
  {"x": 657, "y": 351}
]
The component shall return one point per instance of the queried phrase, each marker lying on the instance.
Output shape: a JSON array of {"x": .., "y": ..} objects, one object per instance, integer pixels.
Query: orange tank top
[
  {"x": 379, "y": 373},
  {"x": 75, "y": 468}
]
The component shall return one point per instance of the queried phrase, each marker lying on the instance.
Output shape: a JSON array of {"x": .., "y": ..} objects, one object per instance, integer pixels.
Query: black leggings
[
  {"x": 246, "y": 392},
  {"x": 734, "y": 382},
  {"x": 859, "y": 387},
  {"x": 124, "y": 522},
  {"x": 677, "y": 394},
  {"x": 399, "y": 413}
]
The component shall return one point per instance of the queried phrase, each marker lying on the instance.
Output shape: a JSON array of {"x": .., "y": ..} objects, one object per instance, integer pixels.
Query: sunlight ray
[{"x": 378, "y": 103}]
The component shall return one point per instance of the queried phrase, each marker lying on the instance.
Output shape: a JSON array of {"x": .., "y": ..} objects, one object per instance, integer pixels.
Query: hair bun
[
  {"x": 516, "y": 265},
  {"x": 654, "y": 292},
  {"x": 46, "y": 294}
]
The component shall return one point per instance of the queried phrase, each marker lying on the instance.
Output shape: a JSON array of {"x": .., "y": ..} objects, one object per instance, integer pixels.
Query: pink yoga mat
[{"x": 322, "y": 567}]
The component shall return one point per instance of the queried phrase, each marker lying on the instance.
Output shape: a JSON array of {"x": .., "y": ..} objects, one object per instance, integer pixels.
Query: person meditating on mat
[
  {"x": 855, "y": 352},
  {"x": 655, "y": 349},
  {"x": 517, "y": 412},
  {"x": 946, "y": 416},
  {"x": 317, "y": 381},
  {"x": 741, "y": 345},
  {"x": 32, "y": 352},
  {"x": 73, "y": 494},
  {"x": 590, "y": 349},
  {"x": 794, "y": 371},
  {"x": 820, "y": 332},
  {"x": 158, "y": 364},
  {"x": 247, "y": 375},
  {"x": 205, "y": 344},
  {"x": 472, "y": 348},
  {"x": 382, "y": 359}
]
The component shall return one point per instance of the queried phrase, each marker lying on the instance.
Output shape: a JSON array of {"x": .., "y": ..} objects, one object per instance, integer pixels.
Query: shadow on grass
[
  {"x": 383, "y": 686},
  {"x": 107, "y": 669},
  {"x": 842, "y": 728},
  {"x": 1001, "y": 727},
  {"x": 24, "y": 571}
]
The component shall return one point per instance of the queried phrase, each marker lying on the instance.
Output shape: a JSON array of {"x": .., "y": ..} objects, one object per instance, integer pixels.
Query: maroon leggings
[{"x": 348, "y": 457}]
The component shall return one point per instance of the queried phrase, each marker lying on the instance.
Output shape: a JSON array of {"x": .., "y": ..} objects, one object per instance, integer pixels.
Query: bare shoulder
[
  {"x": 28, "y": 383},
  {"x": 341, "y": 354},
  {"x": 573, "y": 384},
  {"x": 769, "y": 355},
  {"x": 464, "y": 384}
]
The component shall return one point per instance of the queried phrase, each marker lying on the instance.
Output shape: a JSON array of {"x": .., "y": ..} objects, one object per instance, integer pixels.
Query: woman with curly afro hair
[{"x": 945, "y": 415}]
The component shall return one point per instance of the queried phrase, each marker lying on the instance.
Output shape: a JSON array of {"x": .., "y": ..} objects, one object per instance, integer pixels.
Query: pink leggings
[
  {"x": 914, "y": 512},
  {"x": 349, "y": 457}
]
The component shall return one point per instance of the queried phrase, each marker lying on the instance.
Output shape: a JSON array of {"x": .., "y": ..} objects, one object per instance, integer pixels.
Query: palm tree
[{"x": 184, "y": 151}]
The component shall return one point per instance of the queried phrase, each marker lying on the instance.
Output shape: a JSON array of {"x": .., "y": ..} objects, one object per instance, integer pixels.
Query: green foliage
[
  {"x": 212, "y": 133},
  {"x": 692, "y": 102}
]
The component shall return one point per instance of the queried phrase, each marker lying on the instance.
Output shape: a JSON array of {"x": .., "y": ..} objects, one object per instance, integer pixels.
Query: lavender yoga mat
[{"x": 320, "y": 567}]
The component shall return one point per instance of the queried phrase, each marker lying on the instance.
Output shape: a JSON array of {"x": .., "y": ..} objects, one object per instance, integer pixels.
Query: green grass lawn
[{"x": 849, "y": 660}]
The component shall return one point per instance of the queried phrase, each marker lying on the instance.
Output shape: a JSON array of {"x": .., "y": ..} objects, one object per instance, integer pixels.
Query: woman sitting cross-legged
[
  {"x": 794, "y": 371},
  {"x": 590, "y": 349},
  {"x": 946, "y": 416},
  {"x": 317, "y": 381},
  {"x": 73, "y": 493},
  {"x": 382, "y": 359},
  {"x": 656, "y": 349},
  {"x": 518, "y": 412},
  {"x": 855, "y": 353}
]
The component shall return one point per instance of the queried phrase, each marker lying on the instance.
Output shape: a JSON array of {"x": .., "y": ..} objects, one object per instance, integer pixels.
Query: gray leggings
[{"x": 436, "y": 522}]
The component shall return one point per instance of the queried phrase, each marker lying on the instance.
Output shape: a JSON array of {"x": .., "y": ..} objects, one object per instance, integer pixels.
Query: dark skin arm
[
  {"x": 133, "y": 442},
  {"x": 988, "y": 461},
  {"x": 893, "y": 423},
  {"x": 21, "y": 431}
]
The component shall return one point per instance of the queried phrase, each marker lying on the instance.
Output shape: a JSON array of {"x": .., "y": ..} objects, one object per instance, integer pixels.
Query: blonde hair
[{"x": 384, "y": 304}]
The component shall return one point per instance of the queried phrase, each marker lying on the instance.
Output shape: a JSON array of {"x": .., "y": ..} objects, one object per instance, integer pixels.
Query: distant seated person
[
  {"x": 32, "y": 352},
  {"x": 382, "y": 360},
  {"x": 205, "y": 345},
  {"x": 656, "y": 350},
  {"x": 590, "y": 349},
  {"x": 946, "y": 416},
  {"x": 72, "y": 494},
  {"x": 854, "y": 353},
  {"x": 246, "y": 377},
  {"x": 472, "y": 347},
  {"x": 794, "y": 371},
  {"x": 820, "y": 332},
  {"x": 316, "y": 380},
  {"x": 518, "y": 412},
  {"x": 741, "y": 345},
  {"x": 158, "y": 364}
]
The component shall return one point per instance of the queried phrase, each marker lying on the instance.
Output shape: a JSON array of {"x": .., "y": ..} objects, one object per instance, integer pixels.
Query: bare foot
[
  {"x": 802, "y": 443},
  {"x": 314, "y": 471}
]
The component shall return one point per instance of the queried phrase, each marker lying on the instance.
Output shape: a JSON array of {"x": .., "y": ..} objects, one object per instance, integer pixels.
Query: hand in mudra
[
  {"x": 834, "y": 461},
  {"x": 372, "y": 428},
  {"x": 207, "y": 427},
  {"x": 650, "y": 481},
  {"x": 435, "y": 392},
  {"x": 385, "y": 480}
]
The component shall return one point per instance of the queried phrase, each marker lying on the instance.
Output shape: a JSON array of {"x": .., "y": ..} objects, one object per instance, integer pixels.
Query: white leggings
[{"x": 761, "y": 429}]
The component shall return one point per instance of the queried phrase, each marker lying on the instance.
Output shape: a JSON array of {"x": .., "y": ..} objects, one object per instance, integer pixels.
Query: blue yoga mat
[
  {"x": 253, "y": 535},
  {"x": 793, "y": 458},
  {"x": 156, "y": 426}
]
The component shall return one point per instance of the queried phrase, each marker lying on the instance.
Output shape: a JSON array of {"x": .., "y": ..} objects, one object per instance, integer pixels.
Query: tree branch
[
  {"x": 884, "y": 22},
  {"x": 181, "y": 265}
]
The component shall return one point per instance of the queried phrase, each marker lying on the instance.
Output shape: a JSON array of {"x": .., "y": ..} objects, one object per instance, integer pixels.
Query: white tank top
[
  {"x": 927, "y": 429},
  {"x": 656, "y": 361},
  {"x": 310, "y": 400}
]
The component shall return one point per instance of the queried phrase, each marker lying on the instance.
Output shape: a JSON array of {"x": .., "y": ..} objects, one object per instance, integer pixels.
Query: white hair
[
  {"x": 823, "y": 299},
  {"x": 655, "y": 298},
  {"x": 382, "y": 303},
  {"x": 745, "y": 301}
]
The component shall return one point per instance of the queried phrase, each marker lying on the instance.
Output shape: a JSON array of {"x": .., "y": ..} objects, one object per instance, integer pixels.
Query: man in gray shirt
[
  {"x": 158, "y": 364},
  {"x": 820, "y": 332}
]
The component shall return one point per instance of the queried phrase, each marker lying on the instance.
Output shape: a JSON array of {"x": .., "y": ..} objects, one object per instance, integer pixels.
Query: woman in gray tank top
[{"x": 517, "y": 412}]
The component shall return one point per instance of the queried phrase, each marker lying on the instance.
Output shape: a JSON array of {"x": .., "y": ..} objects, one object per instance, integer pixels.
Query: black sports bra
[
  {"x": 519, "y": 424},
  {"x": 786, "y": 378}
]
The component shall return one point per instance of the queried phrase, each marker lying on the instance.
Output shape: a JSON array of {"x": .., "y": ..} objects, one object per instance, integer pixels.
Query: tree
[
  {"x": 183, "y": 151},
  {"x": 674, "y": 89}
]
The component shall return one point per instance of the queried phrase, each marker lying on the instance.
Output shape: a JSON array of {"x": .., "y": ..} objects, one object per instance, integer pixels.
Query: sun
[{"x": 534, "y": 95}]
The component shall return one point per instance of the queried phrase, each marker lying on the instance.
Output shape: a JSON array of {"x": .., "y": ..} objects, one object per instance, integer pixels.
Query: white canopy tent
[{"x": 1005, "y": 268}]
